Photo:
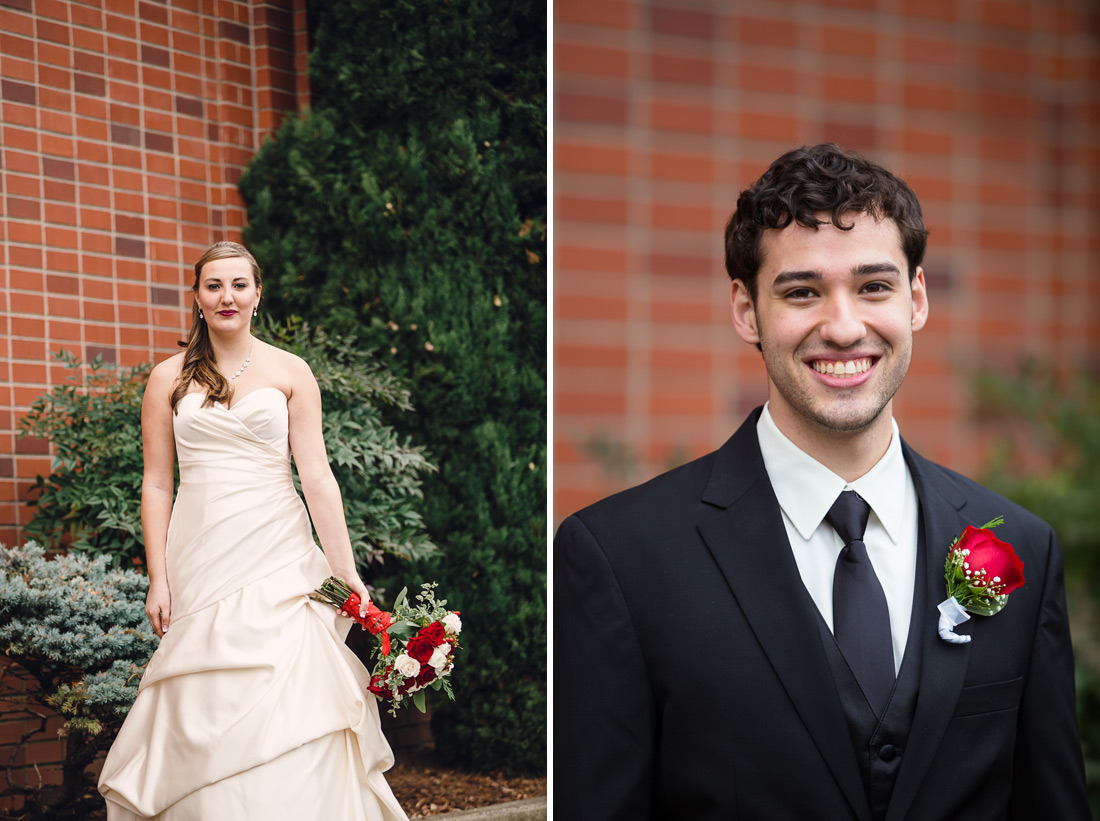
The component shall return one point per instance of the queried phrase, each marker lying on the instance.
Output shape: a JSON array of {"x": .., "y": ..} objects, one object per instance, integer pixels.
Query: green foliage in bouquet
[
  {"x": 1047, "y": 458},
  {"x": 76, "y": 627},
  {"x": 91, "y": 502},
  {"x": 409, "y": 208}
]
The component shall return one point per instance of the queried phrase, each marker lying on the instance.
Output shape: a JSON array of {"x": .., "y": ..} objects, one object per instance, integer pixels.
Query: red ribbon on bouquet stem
[{"x": 376, "y": 621}]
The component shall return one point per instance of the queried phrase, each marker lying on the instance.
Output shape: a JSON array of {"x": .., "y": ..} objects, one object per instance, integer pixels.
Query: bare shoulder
[
  {"x": 162, "y": 379},
  {"x": 294, "y": 372}
]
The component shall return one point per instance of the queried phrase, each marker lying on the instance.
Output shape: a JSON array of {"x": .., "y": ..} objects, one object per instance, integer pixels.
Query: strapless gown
[{"x": 252, "y": 707}]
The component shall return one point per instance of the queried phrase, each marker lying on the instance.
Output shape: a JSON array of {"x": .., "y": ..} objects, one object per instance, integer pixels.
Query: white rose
[
  {"x": 452, "y": 623},
  {"x": 439, "y": 657},
  {"x": 407, "y": 666}
]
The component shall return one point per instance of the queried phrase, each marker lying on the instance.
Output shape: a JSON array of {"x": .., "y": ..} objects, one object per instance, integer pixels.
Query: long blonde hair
[{"x": 199, "y": 364}]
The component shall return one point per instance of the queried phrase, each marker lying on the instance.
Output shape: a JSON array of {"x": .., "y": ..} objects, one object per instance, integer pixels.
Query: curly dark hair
[{"x": 813, "y": 180}]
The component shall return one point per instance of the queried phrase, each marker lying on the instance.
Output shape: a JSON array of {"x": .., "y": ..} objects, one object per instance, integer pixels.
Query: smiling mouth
[
  {"x": 226, "y": 313},
  {"x": 842, "y": 369}
]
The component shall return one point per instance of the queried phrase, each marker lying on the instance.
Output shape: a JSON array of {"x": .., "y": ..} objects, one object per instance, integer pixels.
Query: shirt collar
[{"x": 806, "y": 489}]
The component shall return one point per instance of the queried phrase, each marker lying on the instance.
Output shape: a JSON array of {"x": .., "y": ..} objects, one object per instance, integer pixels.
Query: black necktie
[{"x": 861, "y": 617}]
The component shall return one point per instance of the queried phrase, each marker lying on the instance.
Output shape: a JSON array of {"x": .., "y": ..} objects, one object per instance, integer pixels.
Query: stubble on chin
[{"x": 845, "y": 414}]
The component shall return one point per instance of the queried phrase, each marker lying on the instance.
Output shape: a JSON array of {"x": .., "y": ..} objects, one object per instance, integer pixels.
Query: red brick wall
[
  {"x": 19, "y": 716},
  {"x": 125, "y": 128},
  {"x": 665, "y": 111}
]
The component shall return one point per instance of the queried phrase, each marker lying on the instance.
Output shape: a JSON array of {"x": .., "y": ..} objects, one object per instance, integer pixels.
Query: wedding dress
[{"x": 252, "y": 707}]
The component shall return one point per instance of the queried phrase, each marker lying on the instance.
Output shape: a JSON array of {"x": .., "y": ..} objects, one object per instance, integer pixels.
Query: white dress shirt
[{"x": 806, "y": 489}]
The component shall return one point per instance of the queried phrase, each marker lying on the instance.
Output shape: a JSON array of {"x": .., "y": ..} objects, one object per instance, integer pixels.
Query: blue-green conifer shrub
[{"x": 74, "y": 640}]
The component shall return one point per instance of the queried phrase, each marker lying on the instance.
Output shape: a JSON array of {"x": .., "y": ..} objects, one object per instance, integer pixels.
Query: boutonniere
[{"x": 981, "y": 571}]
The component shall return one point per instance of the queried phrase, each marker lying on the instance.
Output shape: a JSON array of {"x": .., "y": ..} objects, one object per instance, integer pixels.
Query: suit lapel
[
  {"x": 943, "y": 665},
  {"x": 742, "y": 527}
]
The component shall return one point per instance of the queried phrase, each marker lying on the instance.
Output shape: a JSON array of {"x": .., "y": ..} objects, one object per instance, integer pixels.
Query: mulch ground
[{"x": 425, "y": 786}]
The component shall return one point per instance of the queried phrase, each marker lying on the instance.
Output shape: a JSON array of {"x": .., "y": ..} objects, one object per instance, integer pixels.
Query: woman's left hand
[{"x": 353, "y": 581}]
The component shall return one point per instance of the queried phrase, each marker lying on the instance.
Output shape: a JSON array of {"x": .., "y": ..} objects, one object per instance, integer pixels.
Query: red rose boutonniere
[{"x": 981, "y": 571}]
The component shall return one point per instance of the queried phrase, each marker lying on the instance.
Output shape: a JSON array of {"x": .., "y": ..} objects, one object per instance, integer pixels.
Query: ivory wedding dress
[{"x": 252, "y": 707}]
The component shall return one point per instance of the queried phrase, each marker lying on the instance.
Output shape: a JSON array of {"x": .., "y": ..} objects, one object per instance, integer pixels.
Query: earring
[
  {"x": 200, "y": 313},
  {"x": 256, "y": 311}
]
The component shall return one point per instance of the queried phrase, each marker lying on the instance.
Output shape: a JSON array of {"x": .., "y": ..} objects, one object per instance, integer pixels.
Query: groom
[{"x": 754, "y": 635}]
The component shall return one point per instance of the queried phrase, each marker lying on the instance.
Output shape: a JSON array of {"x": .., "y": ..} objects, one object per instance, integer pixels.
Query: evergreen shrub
[
  {"x": 409, "y": 207},
  {"x": 76, "y": 626}
]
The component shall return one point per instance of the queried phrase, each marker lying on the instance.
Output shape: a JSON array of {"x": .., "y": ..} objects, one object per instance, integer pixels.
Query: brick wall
[
  {"x": 20, "y": 717},
  {"x": 665, "y": 111},
  {"x": 125, "y": 128}
]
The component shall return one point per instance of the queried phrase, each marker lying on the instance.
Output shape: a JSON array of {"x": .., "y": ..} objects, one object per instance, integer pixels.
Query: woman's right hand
[{"x": 158, "y": 607}]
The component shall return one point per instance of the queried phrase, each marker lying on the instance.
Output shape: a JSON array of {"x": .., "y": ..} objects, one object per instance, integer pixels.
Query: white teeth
[{"x": 842, "y": 369}]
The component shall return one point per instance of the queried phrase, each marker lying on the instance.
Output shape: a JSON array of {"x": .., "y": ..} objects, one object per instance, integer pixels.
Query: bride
[{"x": 252, "y": 707}]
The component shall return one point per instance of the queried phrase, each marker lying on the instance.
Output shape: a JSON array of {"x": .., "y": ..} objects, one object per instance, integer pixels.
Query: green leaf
[{"x": 401, "y": 629}]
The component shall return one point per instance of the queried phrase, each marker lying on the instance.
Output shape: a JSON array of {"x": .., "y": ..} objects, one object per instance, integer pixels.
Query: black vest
[{"x": 879, "y": 744}]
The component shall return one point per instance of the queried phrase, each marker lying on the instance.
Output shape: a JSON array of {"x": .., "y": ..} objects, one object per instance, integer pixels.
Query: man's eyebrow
[
  {"x": 787, "y": 277},
  {"x": 875, "y": 268}
]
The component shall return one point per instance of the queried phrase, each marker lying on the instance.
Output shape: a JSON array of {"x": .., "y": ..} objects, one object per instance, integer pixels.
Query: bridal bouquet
[{"x": 417, "y": 642}]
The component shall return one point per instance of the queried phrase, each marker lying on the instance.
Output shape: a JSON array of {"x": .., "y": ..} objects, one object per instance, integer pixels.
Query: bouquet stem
[{"x": 337, "y": 593}]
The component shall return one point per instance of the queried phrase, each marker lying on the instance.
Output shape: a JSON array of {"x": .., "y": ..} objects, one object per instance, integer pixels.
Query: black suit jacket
[{"x": 691, "y": 681}]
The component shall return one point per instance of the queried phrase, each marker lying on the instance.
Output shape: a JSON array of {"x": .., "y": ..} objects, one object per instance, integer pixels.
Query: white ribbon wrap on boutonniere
[
  {"x": 981, "y": 571},
  {"x": 952, "y": 614}
]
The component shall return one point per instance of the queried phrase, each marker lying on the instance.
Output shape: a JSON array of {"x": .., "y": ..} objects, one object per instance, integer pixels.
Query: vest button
[{"x": 887, "y": 752}]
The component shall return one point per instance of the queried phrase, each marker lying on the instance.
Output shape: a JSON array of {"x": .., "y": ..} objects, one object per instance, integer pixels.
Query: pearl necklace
[{"x": 244, "y": 364}]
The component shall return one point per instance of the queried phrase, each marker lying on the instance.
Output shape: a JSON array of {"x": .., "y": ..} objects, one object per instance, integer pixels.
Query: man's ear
[
  {"x": 744, "y": 312},
  {"x": 920, "y": 300}
]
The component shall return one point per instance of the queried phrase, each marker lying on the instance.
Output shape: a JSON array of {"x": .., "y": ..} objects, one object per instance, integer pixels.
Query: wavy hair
[
  {"x": 199, "y": 364},
  {"x": 820, "y": 179}
]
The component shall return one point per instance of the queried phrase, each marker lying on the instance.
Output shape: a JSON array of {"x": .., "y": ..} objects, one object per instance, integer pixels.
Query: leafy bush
[
  {"x": 1048, "y": 460},
  {"x": 409, "y": 208},
  {"x": 77, "y": 627},
  {"x": 91, "y": 502},
  {"x": 379, "y": 471}
]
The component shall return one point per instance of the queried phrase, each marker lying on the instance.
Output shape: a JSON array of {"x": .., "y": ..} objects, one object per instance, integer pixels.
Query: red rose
[
  {"x": 377, "y": 685},
  {"x": 434, "y": 632},
  {"x": 999, "y": 561},
  {"x": 420, "y": 648},
  {"x": 426, "y": 676}
]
